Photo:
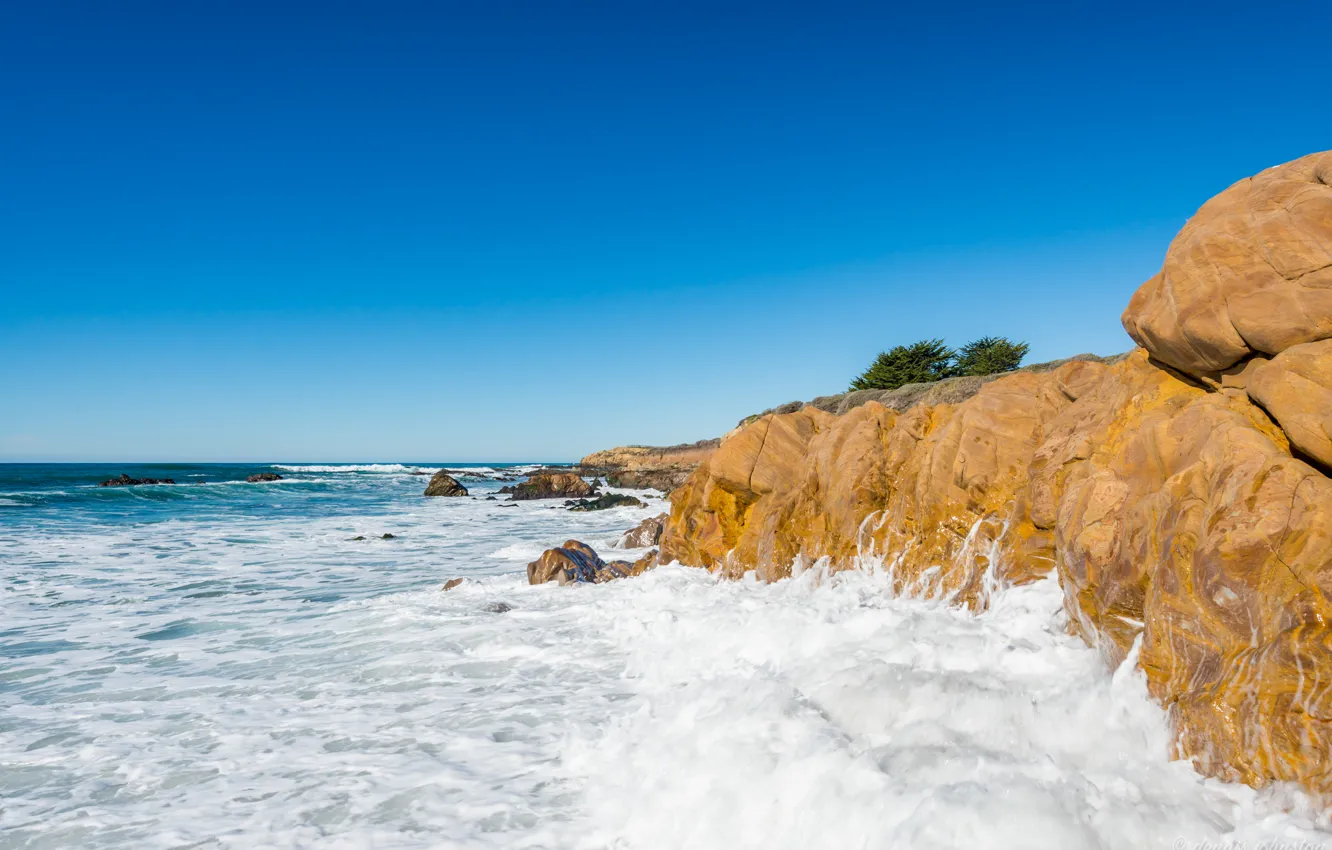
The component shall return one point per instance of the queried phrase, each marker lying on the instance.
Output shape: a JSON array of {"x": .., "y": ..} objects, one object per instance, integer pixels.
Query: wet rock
[
  {"x": 357, "y": 538},
  {"x": 499, "y": 607},
  {"x": 125, "y": 481},
  {"x": 646, "y": 533},
  {"x": 552, "y": 485},
  {"x": 443, "y": 484},
  {"x": 387, "y": 537},
  {"x": 577, "y": 563},
  {"x": 605, "y": 502},
  {"x": 259, "y": 477},
  {"x": 491, "y": 499},
  {"x": 574, "y": 561}
]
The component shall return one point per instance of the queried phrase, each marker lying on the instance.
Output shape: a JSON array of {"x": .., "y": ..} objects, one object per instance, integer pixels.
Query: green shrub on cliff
[
  {"x": 918, "y": 363},
  {"x": 932, "y": 360},
  {"x": 989, "y": 355}
]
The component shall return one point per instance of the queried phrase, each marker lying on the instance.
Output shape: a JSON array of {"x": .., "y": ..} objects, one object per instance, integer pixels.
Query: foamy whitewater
[{"x": 219, "y": 665}]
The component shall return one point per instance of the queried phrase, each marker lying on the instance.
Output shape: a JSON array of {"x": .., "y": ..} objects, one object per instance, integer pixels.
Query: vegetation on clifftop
[{"x": 931, "y": 360}]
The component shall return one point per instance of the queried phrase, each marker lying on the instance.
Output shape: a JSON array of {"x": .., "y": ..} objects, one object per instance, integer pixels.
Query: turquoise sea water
[{"x": 219, "y": 664}]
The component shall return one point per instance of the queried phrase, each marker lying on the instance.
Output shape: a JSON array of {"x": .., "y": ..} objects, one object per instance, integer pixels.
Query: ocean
[{"x": 218, "y": 664}]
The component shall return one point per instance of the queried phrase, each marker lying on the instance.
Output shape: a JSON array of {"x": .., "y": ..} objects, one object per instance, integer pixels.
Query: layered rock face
[
  {"x": 1181, "y": 493},
  {"x": 648, "y": 467}
]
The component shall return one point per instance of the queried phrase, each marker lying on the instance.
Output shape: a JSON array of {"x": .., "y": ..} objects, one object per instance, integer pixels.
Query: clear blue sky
[{"x": 531, "y": 230}]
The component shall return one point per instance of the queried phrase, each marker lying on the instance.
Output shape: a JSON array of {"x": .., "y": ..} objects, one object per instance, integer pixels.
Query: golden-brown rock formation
[{"x": 1163, "y": 488}]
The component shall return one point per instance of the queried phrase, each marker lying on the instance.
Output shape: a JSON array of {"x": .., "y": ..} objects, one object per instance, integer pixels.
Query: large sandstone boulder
[
  {"x": 443, "y": 484},
  {"x": 553, "y": 485},
  {"x": 1250, "y": 273}
]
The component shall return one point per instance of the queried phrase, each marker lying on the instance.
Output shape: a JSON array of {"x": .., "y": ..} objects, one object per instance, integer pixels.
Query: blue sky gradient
[{"x": 505, "y": 231}]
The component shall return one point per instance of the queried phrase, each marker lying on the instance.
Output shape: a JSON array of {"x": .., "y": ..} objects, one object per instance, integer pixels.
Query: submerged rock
[
  {"x": 552, "y": 485},
  {"x": 263, "y": 476},
  {"x": 125, "y": 481},
  {"x": 443, "y": 484},
  {"x": 605, "y": 502}
]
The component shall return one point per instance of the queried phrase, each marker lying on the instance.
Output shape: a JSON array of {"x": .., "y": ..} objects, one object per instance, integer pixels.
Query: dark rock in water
[
  {"x": 491, "y": 499},
  {"x": 357, "y": 537},
  {"x": 387, "y": 537},
  {"x": 125, "y": 481},
  {"x": 574, "y": 561},
  {"x": 577, "y": 563},
  {"x": 609, "y": 500},
  {"x": 418, "y": 472},
  {"x": 499, "y": 607},
  {"x": 443, "y": 484},
  {"x": 508, "y": 505},
  {"x": 263, "y": 476},
  {"x": 553, "y": 485},
  {"x": 506, "y": 489},
  {"x": 453, "y": 582}
]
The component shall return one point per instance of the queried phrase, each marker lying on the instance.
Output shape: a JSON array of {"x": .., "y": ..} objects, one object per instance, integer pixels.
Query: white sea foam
[
  {"x": 518, "y": 552},
  {"x": 266, "y": 682}
]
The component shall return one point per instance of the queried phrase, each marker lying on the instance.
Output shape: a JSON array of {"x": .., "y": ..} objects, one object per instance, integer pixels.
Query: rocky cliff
[
  {"x": 660, "y": 468},
  {"x": 1181, "y": 492}
]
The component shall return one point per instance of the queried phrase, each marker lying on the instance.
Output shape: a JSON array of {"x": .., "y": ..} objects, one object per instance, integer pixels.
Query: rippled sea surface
[{"x": 220, "y": 665}]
